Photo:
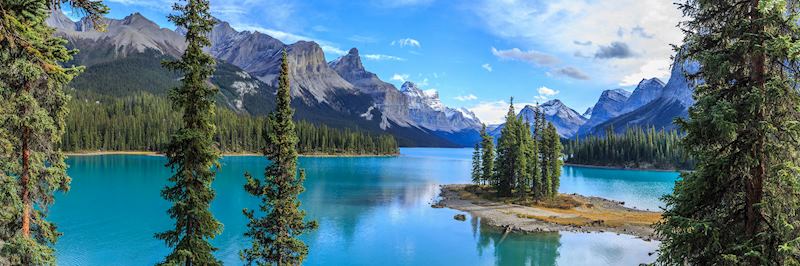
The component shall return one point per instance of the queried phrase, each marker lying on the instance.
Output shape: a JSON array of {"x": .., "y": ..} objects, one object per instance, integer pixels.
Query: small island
[{"x": 565, "y": 212}]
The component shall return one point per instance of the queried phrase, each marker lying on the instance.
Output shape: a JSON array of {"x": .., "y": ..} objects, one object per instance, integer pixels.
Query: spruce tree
[
  {"x": 739, "y": 206},
  {"x": 554, "y": 157},
  {"x": 522, "y": 171},
  {"x": 275, "y": 235},
  {"x": 533, "y": 160},
  {"x": 487, "y": 157},
  {"x": 32, "y": 168},
  {"x": 542, "y": 190},
  {"x": 192, "y": 153},
  {"x": 506, "y": 165},
  {"x": 476, "y": 165}
]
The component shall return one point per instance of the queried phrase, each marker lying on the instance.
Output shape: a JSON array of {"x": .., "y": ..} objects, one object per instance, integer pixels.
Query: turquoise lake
[{"x": 371, "y": 211}]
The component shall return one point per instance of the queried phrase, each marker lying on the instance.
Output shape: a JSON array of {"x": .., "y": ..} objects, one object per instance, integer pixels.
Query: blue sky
[{"x": 476, "y": 53}]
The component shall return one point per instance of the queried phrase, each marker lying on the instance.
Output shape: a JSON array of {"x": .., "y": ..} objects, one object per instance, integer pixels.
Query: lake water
[{"x": 371, "y": 211}]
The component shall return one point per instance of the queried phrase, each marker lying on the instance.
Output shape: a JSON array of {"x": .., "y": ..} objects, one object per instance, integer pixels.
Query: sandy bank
[{"x": 592, "y": 214}]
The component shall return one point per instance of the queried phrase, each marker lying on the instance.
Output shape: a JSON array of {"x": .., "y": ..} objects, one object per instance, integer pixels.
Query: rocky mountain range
[
  {"x": 565, "y": 119},
  {"x": 651, "y": 104},
  {"x": 341, "y": 93}
]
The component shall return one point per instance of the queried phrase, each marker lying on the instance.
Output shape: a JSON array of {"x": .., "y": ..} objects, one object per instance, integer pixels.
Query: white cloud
[
  {"x": 652, "y": 68},
  {"x": 554, "y": 26},
  {"x": 487, "y": 66},
  {"x": 545, "y": 91},
  {"x": 493, "y": 113},
  {"x": 468, "y": 97},
  {"x": 406, "y": 42},
  {"x": 400, "y": 77},
  {"x": 382, "y": 57},
  {"x": 533, "y": 57}
]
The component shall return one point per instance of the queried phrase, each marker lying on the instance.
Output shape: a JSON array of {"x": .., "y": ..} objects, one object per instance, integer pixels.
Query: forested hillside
[
  {"x": 636, "y": 148},
  {"x": 144, "y": 121}
]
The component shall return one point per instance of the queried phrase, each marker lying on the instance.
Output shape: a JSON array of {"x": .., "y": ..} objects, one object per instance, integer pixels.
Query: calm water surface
[{"x": 371, "y": 211}]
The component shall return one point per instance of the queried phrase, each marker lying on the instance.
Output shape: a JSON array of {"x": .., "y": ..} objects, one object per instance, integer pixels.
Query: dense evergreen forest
[
  {"x": 526, "y": 163},
  {"x": 636, "y": 148},
  {"x": 144, "y": 121}
]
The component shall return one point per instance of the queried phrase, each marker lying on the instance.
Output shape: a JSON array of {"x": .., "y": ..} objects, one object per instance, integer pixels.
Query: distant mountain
[
  {"x": 126, "y": 59},
  {"x": 673, "y": 102},
  {"x": 610, "y": 105},
  {"x": 588, "y": 113},
  {"x": 647, "y": 91},
  {"x": 130, "y": 35},
  {"x": 565, "y": 119}
]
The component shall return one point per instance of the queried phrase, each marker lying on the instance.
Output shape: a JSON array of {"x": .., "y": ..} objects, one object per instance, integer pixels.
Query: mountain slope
[
  {"x": 127, "y": 58},
  {"x": 673, "y": 102},
  {"x": 566, "y": 120}
]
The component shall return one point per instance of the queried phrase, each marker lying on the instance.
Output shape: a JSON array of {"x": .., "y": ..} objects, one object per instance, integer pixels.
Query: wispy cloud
[
  {"x": 382, "y": 57},
  {"x": 464, "y": 98},
  {"x": 493, "y": 112},
  {"x": 567, "y": 28},
  {"x": 545, "y": 91},
  {"x": 531, "y": 56},
  {"x": 406, "y": 42},
  {"x": 572, "y": 72},
  {"x": 487, "y": 66},
  {"x": 400, "y": 77},
  {"x": 614, "y": 50}
]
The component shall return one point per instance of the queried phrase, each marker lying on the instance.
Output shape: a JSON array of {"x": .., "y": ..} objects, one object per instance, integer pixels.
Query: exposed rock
[{"x": 460, "y": 217}]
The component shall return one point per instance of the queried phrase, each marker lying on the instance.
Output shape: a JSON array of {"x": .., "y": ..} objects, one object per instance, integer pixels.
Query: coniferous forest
[
  {"x": 527, "y": 162},
  {"x": 143, "y": 122},
  {"x": 636, "y": 148}
]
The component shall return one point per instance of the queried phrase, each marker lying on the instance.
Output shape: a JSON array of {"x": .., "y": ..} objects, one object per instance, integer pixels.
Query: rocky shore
[{"x": 591, "y": 214}]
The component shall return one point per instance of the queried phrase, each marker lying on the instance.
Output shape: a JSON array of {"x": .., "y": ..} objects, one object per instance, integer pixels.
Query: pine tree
[
  {"x": 32, "y": 81},
  {"x": 476, "y": 164},
  {"x": 544, "y": 182},
  {"x": 487, "y": 157},
  {"x": 192, "y": 153},
  {"x": 554, "y": 157},
  {"x": 524, "y": 157},
  {"x": 506, "y": 165},
  {"x": 739, "y": 206},
  {"x": 275, "y": 235}
]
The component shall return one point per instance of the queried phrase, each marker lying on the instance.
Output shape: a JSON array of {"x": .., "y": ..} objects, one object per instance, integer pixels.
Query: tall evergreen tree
[
  {"x": 487, "y": 157},
  {"x": 554, "y": 159},
  {"x": 740, "y": 204},
  {"x": 544, "y": 182},
  {"x": 32, "y": 168},
  {"x": 506, "y": 165},
  {"x": 192, "y": 153},
  {"x": 476, "y": 164},
  {"x": 275, "y": 235}
]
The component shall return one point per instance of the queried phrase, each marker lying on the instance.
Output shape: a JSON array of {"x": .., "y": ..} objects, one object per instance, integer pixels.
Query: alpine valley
[{"x": 340, "y": 93}]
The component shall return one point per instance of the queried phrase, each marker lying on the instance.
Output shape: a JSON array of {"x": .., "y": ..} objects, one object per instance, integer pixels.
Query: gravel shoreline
[{"x": 517, "y": 218}]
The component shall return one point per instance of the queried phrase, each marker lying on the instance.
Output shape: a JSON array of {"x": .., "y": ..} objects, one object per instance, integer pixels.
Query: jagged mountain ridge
[
  {"x": 247, "y": 65},
  {"x": 673, "y": 101},
  {"x": 565, "y": 119}
]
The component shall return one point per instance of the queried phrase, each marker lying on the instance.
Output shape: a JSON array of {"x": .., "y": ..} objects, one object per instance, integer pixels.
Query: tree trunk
[
  {"x": 24, "y": 182},
  {"x": 754, "y": 186}
]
